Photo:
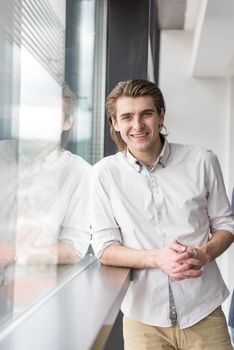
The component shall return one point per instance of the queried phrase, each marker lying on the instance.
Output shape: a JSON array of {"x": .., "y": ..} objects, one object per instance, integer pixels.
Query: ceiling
[
  {"x": 213, "y": 24},
  {"x": 171, "y": 14},
  {"x": 177, "y": 14},
  {"x": 213, "y": 51}
]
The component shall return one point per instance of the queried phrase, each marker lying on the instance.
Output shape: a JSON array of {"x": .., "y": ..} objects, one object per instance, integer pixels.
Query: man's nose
[{"x": 138, "y": 123}]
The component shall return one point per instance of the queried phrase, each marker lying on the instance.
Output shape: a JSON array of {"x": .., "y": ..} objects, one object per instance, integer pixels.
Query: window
[{"x": 52, "y": 76}]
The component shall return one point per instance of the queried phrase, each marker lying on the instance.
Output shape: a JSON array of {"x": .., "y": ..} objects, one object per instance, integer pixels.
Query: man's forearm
[
  {"x": 66, "y": 254},
  {"x": 7, "y": 253},
  {"x": 201, "y": 255},
  {"x": 118, "y": 255},
  {"x": 217, "y": 245},
  {"x": 59, "y": 253},
  {"x": 165, "y": 259}
]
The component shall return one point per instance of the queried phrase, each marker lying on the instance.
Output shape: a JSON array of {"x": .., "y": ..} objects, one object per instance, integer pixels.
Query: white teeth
[{"x": 139, "y": 135}]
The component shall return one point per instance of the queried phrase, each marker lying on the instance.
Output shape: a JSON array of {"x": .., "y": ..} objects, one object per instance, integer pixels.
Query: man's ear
[
  {"x": 68, "y": 123},
  {"x": 115, "y": 124},
  {"x": 161, "y": 116}
]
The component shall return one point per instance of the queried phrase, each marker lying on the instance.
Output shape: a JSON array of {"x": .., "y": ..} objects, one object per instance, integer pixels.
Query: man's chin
[{"x": 141, "y": 146}]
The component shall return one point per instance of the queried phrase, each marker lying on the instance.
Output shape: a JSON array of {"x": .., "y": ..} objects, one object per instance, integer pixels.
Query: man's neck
[
  {"x": 35, "y": 150},
  {"x": 148, "y": 157}
]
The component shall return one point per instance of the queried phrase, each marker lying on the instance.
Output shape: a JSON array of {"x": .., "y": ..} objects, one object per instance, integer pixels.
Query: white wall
[
  {"x": 200, "y": 111},
  {"x": 197, "y": 108}
]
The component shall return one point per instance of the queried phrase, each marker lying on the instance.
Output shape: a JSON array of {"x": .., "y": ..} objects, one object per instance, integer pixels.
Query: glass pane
[{"x": 48, "y": 109}]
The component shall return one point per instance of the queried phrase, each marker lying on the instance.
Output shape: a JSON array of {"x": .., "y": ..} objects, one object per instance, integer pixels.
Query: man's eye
[
  {"x": 147, "y": 114},
  {"x": 126, "y": 117}
]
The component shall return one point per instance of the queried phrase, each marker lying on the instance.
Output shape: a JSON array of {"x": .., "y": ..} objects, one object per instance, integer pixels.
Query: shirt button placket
[{"x": 158, "y": 200}]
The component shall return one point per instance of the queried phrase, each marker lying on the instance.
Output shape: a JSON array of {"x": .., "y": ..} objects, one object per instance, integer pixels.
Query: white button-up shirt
[
  {"x": 44, "y": 200},
  {"x": 182, "y": 197}
]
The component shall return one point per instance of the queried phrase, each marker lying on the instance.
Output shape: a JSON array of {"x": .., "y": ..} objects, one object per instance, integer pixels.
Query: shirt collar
[
  {"x": 161, "y": 160},
  {"x": 164, "y": 154}
]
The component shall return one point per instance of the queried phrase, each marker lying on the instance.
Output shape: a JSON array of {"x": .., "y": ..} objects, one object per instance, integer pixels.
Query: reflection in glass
[
  {"x": 51, "y": 197},
  {"x": 44, "y": 189},
  {"x": 9, "y": 100},
  {"x": 85, "y": 71}
]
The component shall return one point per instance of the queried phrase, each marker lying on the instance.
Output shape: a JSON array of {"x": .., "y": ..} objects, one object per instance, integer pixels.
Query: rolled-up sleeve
[
  {"x": 218, "y": 206},
  {"x": 105, "y": 229},
  {"x": 75, "y": 229}
]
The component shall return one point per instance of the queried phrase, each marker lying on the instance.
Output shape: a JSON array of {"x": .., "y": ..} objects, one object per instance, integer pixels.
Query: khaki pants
[{"x": 211, "y": 333}]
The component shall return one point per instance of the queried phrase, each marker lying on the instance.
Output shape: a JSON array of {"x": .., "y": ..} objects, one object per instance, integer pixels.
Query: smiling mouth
[{"x": 140, "y": 136}]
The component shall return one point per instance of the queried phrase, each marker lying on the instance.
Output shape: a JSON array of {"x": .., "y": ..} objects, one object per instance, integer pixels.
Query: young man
[
  {"x": 161, "y": 209},
  {"x": 44, "y": 196}
]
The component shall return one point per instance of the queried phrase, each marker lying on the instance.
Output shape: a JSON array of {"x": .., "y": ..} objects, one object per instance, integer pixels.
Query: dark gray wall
[
  {"x": 127, "y": 47},
  {"x": 130, "y": 23}
]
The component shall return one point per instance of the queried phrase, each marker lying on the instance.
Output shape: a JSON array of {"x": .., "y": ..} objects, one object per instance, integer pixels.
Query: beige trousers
[{"x": 211, "y": 333}]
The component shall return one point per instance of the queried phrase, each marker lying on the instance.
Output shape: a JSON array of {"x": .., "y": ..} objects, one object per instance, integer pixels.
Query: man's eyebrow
[
  {"x": 124, "y": 115},
  {"x": 148, "y": 110}
]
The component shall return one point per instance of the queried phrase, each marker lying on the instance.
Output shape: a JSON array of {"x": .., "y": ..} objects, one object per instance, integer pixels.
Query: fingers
[
  {"x": 179, "y": 248},
  {"x": 187, "y": 265},
  {"x": 193, "y": 262},
  {"x": 181, "y": 262},
  {"x": 192, "y": 273},
  {"x": 182, "y": 256},
  {"x": 190, "y": 253},
  {"x": 193, "y": 253}
]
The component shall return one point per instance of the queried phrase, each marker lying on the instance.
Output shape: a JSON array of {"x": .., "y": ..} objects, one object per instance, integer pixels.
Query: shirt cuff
[{"x": 105, "y": 238}]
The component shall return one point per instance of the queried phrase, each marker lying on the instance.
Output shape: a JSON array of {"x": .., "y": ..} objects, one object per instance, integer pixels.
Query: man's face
[
  {"x": 66, "y": 121},
  {"x": 138, "y": 122}
]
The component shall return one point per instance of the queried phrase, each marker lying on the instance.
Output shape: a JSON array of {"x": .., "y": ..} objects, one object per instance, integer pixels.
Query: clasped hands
[{"x": 182, "y": 262}]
